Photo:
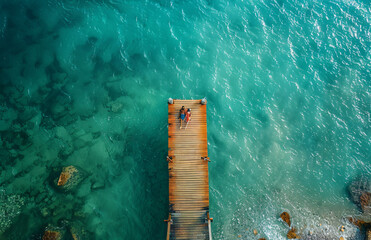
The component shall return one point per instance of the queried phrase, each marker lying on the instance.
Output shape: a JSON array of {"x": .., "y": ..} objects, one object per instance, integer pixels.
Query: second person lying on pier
[{"x": 188, "y": 117}]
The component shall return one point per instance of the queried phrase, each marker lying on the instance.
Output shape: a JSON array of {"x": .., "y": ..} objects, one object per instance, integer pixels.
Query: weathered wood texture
[{"x": 188, "y": 173}]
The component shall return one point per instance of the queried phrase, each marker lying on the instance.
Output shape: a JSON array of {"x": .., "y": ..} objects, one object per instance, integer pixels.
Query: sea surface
[{"x": 86, "y": 83}]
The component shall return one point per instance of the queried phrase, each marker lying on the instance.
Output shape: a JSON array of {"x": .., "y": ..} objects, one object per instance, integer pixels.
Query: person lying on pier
[
  {"x": 188, "y": 117},
  {"x": 182, "y": 116}
]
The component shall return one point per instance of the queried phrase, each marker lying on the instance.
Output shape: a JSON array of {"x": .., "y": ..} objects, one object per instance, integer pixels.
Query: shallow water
[{"x": 86, "y": 83}]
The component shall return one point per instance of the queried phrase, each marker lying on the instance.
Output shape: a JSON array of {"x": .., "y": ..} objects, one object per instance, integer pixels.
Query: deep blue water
[{"x": 85, "y": 83}]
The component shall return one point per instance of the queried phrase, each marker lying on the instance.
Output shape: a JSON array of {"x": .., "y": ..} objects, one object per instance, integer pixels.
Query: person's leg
[{"x": 181, "y": 123}]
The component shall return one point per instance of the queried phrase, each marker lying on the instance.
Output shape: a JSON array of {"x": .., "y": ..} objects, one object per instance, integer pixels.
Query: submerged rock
[
  {"x": 342, "y": 228},
  {"x": 66, "y": 175},
  {"x": 44, "y": 212},
  {"x": 69, "y": 178},
  {"x": 285, "y": 216},
  {"x": 53, "y": 233},
  {"x": 292, "y": 234},
  {"x": 318, "y": 236},
  {"x": 360, "y": 193},
  {"x": 78, "y": 232},
  {"x": 363, "y": 224},
  {"x": 365, "y": 201},
  {"x": 116, "y": 106},
  {"x": 10, "y": 208}
]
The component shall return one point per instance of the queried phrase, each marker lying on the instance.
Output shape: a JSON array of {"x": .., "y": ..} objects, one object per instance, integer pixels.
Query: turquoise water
[{"x": 85, "y": 83}]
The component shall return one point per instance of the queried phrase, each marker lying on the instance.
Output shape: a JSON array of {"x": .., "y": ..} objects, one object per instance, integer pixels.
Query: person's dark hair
[{"x": 182, "y": 107}]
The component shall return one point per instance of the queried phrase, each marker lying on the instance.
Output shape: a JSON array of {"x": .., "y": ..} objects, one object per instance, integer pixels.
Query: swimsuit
[{"x": 188, "y": 116}]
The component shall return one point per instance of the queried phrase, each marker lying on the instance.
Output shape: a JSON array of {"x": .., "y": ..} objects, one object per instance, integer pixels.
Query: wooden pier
[{"x": 188, "y": 173}]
